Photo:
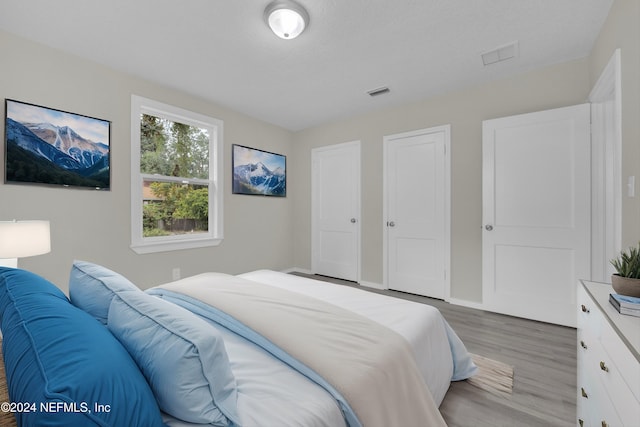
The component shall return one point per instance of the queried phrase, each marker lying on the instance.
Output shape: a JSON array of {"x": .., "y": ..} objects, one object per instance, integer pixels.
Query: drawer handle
[
  {"x": 604, "y": 367},
  {"x": 583, "y": 345},
  {"x": 584, "y": 393},
  {"x": 584, "y": 309}
]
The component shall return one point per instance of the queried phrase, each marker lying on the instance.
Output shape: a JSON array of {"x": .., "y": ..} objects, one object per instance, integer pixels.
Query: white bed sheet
[{"x": 421, "y": 325}]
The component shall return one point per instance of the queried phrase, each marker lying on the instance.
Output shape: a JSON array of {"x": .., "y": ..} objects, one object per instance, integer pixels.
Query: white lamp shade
[
  {"x": 20, "y": 239},
  {"x": 286, "y": 19}
]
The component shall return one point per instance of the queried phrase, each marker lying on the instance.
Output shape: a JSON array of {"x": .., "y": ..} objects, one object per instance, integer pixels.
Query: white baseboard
[
  {"x": 373, "y": 285},
  {"x": 466, "y": 303},
  {"x": 296, "y": 270}
]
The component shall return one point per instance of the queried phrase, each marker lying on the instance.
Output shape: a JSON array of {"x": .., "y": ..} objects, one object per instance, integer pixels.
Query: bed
[{"x": 258, "y": 349}]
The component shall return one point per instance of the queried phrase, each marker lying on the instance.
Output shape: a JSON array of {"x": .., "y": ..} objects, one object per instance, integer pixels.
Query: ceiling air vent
[
  {"x": 379, "y": 91},
  {"x": 501, "y": 53}
]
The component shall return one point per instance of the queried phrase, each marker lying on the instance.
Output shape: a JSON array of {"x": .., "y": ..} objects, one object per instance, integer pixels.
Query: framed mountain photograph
[
  {"x": 259, "y": 172},
  {"x": 51, "y": 147}
]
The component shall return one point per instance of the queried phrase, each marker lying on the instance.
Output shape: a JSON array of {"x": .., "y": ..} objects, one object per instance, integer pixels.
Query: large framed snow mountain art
[
  {"x": 259, "y": 172},
  {"x": 46, "y": 146}
]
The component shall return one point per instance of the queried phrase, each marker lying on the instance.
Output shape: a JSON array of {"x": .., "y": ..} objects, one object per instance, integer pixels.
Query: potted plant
[{"x": 627, "y": 279}]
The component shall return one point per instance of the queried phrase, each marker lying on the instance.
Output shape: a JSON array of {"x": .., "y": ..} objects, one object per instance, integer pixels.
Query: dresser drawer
[
  {"x": 590, "y": 318},
  {"x": 627, "y": 366},
  {"x": 619, "y": 377},
  {"x": 595, "y": 408},
  {"x": 608, "y": 366},
  {"x": 595, "y": 401},
  {"x": 606, "y": 414},
  {"x": 586, "y": 400}
]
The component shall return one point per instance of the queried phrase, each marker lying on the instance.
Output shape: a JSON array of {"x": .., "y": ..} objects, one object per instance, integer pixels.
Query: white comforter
[
  {"x": 440, "y": 354},
  {"x": 271, "y": 393}
]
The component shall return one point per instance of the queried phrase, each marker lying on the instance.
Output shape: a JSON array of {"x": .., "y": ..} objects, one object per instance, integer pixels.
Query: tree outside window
[
  {"x": 173, "y": 149},
  {"x": 176, "y": 178}
]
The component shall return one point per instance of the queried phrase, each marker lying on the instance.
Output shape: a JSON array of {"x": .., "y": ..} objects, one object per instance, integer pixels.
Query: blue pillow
[
  {"x": 182, "y": 356},
  {"x": 65, "y": 363},
  {"x": 92, "y": 287}
]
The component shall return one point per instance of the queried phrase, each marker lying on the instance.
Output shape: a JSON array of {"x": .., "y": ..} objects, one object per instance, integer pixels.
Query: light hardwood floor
[{"x": 543, "y": 357}]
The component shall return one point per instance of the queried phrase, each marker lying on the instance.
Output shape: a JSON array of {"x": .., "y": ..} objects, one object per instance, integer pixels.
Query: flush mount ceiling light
[{"x": 286, "y": 18}]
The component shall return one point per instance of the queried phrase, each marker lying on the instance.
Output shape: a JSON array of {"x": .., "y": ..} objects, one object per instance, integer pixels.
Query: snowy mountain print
[
  {"x": 44, "y": 147},
  {"x": 258, "y": 172}
]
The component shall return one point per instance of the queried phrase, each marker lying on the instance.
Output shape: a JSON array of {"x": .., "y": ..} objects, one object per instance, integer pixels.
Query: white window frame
[{"x": 214, "y": 235}]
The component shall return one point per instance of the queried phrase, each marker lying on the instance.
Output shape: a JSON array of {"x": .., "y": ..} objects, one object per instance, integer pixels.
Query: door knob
[
  {"x": 353, "y": 220},
  {"x": 488, "y": 227},
  {"x": 391, "y": 224}
]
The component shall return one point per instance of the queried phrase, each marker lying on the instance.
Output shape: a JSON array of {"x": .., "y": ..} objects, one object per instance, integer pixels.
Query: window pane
[
  {"x": 174, "y": 209},
  {"x": 175, "y": 199},
  {"x": 173, "y": 149}
]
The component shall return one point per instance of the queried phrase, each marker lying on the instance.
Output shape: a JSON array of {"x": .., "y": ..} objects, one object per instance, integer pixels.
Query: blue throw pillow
[
  {"x": 64, "y": 364},
  {"x": 92, "y": 287},
  {"x": 182, "y": 356}
]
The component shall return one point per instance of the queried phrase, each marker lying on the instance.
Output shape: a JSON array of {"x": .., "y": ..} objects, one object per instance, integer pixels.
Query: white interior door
[
  {"x": 335, "y": 211},
  {"x": 416, "y": 213},
  {"x": 536, "y": 213}
]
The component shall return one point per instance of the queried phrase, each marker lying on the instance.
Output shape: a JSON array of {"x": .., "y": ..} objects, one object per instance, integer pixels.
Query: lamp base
[{"x": 9, "y": 262}]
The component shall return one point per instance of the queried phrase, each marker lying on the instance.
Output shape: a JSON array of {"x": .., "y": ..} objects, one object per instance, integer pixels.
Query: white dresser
[{"x": 608, "y": 360}]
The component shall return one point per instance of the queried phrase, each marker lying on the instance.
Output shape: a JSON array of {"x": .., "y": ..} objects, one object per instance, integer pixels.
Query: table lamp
[{"x": 20, "y": 239}]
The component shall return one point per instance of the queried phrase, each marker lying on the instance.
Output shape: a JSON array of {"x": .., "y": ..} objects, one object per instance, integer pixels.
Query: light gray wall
[
  {"x": 622, "y": 30},
  {"x": 275, "y": 233},
  {"x": 555, "y": 86},
  {"x": 95, "y": 226}
]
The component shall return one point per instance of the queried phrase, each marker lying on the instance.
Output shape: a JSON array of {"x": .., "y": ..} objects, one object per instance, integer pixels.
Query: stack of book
[{"x": 625, "y": 304}]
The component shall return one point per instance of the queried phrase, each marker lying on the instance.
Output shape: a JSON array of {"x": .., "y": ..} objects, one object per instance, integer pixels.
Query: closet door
[
  {"x": 536, "y": 213},
  {"x": 416, "y": 198},
  {"x": 335, "y": 211}
]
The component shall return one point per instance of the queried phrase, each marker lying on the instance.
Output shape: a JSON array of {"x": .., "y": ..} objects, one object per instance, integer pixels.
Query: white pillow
[{"x": 182, "y": 356}]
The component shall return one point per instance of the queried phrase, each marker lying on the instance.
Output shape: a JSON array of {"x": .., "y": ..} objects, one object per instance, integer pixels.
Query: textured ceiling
[{"x": 221, "y": 50}]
